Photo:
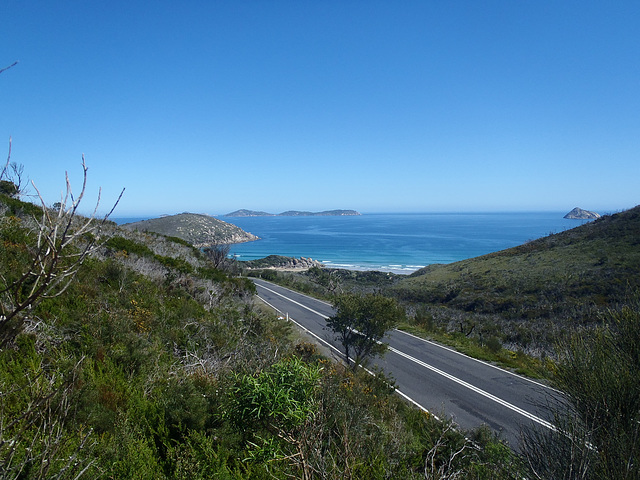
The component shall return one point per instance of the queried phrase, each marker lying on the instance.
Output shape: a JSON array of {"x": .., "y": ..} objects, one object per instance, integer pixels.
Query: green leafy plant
[
  {"x": 270, "y": 407},
  {"x": 280, "y": 397}
]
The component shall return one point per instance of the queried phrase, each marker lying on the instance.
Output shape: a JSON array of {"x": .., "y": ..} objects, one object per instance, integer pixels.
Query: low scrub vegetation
[
  {"x": 145, "y": 367},
  {"x": 150, "y": 361},
  {"x": 598, "y": 421}
]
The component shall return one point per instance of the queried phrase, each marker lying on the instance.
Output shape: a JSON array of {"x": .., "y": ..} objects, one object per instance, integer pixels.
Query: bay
[{"x": 399, "y": 243}]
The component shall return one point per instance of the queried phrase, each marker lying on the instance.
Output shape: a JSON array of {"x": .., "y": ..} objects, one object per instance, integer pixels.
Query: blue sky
[{"x": 378, "y": 106}]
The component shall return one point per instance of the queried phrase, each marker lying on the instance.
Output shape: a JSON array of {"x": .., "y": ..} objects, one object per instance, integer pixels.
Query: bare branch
[
  {"x": 7, "y": 68},
  {"x": 63, "y": 241}
]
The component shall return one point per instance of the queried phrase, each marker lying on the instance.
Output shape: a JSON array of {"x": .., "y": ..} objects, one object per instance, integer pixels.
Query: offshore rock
[{"x": 580, "y": 214}]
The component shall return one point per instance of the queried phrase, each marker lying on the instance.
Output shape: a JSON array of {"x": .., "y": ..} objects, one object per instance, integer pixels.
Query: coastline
[
  {"x": 356, "y": 268},
  {"x": 395, "y": 269},
  {"x": 394, "y": 243}
]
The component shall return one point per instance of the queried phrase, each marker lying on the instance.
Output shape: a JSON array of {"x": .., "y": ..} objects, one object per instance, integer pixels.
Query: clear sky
[{"x": 378, "y": 106}]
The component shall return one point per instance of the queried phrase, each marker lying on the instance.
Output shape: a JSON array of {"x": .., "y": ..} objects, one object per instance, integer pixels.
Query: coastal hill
[
  {"x": 292, "y": 213},
  {"x": 533, "y": 292},
  {"x": 197, "y": 229},
  {"x": 580, "y": 214}
]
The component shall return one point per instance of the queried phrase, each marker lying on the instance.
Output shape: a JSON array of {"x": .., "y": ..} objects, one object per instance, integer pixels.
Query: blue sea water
[{"x": 399, "y": 243}]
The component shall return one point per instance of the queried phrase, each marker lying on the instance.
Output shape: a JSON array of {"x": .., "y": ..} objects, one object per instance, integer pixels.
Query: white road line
[
  {"x": 471, "y": 387},
  {"x": 297, "y": 303},
  {"x": 294, "y": 292},
  {"x": 304, "y": 328},
  {"x": 477, "y": 360}
]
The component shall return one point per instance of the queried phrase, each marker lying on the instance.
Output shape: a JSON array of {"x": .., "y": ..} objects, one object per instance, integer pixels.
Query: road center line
[
  {"x": 448, "y": 376},
  {"x": 473, "y": 388},
  {"x": 449, "y": 349}
]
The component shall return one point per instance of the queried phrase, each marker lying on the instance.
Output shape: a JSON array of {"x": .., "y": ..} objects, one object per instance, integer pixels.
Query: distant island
[
  {"x": 292, "y": 213},
  {"x": 580, "y": 214},
  {"x": 198, "y": 229}
]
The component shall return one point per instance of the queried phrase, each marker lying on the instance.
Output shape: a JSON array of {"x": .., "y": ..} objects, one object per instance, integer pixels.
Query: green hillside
[
  {"x": 126, "y": 354},
  {"x": 531, "y": 293}
]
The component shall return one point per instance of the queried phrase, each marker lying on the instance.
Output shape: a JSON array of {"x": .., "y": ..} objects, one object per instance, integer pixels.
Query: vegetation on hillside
[
  {"x": 530, "y": 296},
  {"x": 197, "y": 229},
  {"x": 152, "y": 363},
  {"x": 598, "y": 424}
]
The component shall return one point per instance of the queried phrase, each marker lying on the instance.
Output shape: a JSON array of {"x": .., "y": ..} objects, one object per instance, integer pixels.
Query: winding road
[{"x": 433, "y": 377}]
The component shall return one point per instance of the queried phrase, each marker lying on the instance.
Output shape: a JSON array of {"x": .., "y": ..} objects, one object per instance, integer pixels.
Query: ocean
[{"x": 398, "y": 243}]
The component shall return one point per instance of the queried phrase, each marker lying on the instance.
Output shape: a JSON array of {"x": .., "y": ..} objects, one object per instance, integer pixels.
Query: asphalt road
[{"x": 434, "y": 378}]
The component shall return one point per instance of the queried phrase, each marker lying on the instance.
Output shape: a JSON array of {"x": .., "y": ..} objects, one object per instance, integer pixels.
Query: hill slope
[
  {"x": 567, "y": 279},
  {"x": 197, "y": 229}
]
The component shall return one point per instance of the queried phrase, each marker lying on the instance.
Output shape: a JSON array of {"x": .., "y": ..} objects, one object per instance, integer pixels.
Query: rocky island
[
  {"x": 248, "y": 213},
  {"x": 198, "y": 229},
  {"x": 291, "y": 213},
  {"x": 580, "y": 214}
]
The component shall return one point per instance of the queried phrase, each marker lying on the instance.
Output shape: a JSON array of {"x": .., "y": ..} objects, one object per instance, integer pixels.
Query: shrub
[
  {"x": 598, "y": 423},
  {"x": 122, "y": 244},
  {"x": 279, "y": 398},
  {"x": 494, "y": 345}
]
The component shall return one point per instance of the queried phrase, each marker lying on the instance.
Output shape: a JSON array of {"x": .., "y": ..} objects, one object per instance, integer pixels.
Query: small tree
[
  {"x": 12, "y": 178},
  {"x": 218, "y": 254},
  {"x": 327, "y": 279},
  {"x": 361, "y": 322},
  {"x": 8, "y": 188}
]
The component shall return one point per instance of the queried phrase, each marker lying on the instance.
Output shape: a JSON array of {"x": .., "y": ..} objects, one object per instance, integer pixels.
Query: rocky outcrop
[
  {"x": 278, "y": 262},
  {"x": 300, "y": 263},
  {"x": 580, "y": 214}
]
